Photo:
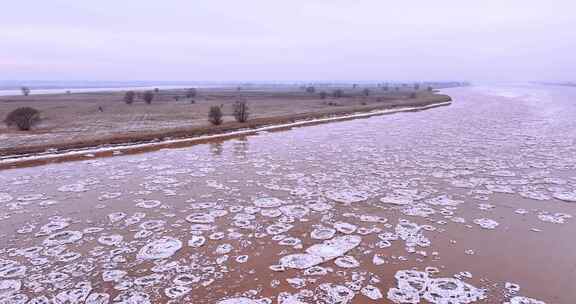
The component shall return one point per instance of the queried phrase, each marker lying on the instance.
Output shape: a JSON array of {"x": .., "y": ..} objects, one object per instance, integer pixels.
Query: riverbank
[{"x": 166, "y": 119}]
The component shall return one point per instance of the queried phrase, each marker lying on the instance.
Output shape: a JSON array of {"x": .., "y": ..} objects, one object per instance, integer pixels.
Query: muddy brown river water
[{"x": 470, "y": 203}]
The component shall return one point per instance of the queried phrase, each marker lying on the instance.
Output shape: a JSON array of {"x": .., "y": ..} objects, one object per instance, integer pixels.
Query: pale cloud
[{"x": 288, "y": 40}]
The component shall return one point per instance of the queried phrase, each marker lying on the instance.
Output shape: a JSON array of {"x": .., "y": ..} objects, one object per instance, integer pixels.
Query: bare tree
[
  {"x": 338, "y": 93},
  {"x": 215, "y": 115},
  {"x": 310, "y": 90},
  {"x": 129, "y": 97},
  {"x": 241, "y": 111},
  {"x": 191, "y": 93},
  {"x": 23, "y": 118},
  {"x": 323, "y": 95},
  {"x": 148, "y": 97},
  {"x": 25, "y": 91},
  {"x": 366, "y": 92}
]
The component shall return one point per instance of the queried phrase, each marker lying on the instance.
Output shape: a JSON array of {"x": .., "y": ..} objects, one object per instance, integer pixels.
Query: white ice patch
[
  {"x": 555, "y": 218},
  {"x": 347, "y": 196},
  {"x": 335, "y": 247},
  {"x": 5, "y": 197},
  {"x": 346, "y": 261},
  {"x": 240, "y": 300},
  {"x": 569, "y": 197},
  {"x": 196, "y": 241},
  {"x": 322, "y": 233},
  {"x": 62, "y": 238},
  {"x": 147, "y": 204},
  {"x": 372, "y": 292},
  {"x": 486, "y": 223},
  {"x": 328, "y": 293},
  {"x": 160, "y": 249},
  {"x": 300, "y": 261},
  {"x": 345, "y": 228},
  {"x": 416, "y": 285},
  {"x": 297, "y": 211},
  {"x": 268, "y": 202},
  {"x": 524, "y": 300},
  {"x": 110, "y": 240}
]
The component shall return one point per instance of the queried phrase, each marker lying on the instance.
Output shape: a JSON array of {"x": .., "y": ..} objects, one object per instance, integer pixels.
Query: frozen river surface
[{"x": 470, "y": 203}]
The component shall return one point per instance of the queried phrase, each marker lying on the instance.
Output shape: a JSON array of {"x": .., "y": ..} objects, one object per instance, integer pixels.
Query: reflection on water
[{"x": 470, "y": 203}]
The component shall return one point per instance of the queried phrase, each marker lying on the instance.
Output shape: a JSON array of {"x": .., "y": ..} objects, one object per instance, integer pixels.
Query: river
[{"x": 471, "y": 203}]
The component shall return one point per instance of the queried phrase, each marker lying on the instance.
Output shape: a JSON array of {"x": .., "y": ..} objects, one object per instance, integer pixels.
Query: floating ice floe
[
  {"x": 372, "y": 292},
  {"x": 147, "y": 204},
  {"x": 268, "y": 202},
  {"x": 79, "y": 187},
  {"x": 5, "y": 197},
  {"x": 159, "y": 249},
  {"x": 512, "y": 287},
  {"x": 328, "y": 293},
  {"x": 486, "y": 223},
  {"x": 116, "y": 216},
  {"x": 240, "y": 300},
  {"x": 414, "y": 286},
  {"x": 524, "y": 300},
  {"x": 177, "y": 291},
  {"x": 9, "y": 287},
  {"x": 278, "y": 228},
  {"x": 397, "y": 199},
  {"x": 555, "y": 218},
  {"x": 110, "y": 240},
  {"x": 113, "y": 275},
  {"x": 62, "y": 238},
  {"x": 443, "y": 200},
  {"x": 345, "y": 228},
  {"x": 347, "y": 196},
  {"x": 297, "y": 211},
  {"x": 196, "y": 241},
  {"x": 346, "y": 261},
  {"x": 335, "y": 247},
  {"x": 300, "y": 260},
  {"x": 322, "y": 233},
  {"x": 98, "y": 298},
  {"x": 569, "y": 197},
  {"x": 320, "y": 253}
]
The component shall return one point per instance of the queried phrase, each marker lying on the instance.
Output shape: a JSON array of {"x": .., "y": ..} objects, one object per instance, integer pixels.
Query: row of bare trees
[
  {"x": 148, "y": 96},
  {"x": 240, "y": 109}
]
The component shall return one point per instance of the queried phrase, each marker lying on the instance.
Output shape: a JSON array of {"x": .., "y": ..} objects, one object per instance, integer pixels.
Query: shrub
[
  {"x": 25, "y": 91},
  {"x": 338, "y": 93},
  {"x": 416, "y": 86},
  {"x": 430, "y": 89},
  {"x": 191, "y": 93},
  {"x": 366, "y": 92},
  {"x": 148, "y": 96},
  {"x": 129, "y": 97},
  {"x": 156, "y": 90},
  {"x": 23, "y": 118},
  {"x": 323, "y": 95},
  {"x": 215, "y": 115},
  {"x": 310, "y": 90},
  {"x": 241, "y": 111},
  {"x": 413, "y": 95}
]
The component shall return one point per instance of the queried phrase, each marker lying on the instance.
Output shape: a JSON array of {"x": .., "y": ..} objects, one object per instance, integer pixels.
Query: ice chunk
[{"x": 160, "y": 249}]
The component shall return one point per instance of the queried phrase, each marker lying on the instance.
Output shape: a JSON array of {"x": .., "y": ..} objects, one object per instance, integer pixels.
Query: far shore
[{"x": 73, "y": 121}]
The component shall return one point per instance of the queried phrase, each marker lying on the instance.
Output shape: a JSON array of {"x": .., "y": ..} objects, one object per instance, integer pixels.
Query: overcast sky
[{"x": 288, "y": 40}]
